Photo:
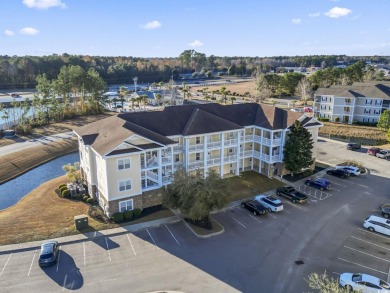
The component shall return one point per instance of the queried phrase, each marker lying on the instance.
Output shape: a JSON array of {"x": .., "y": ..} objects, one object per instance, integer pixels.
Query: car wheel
[
  {"x": 243, "y": 205},
  {"x": 386, "y": 216},
  {"x": 307, "y": 183},
  {"x": 371, "y": 229},
  {"x": 269, "y": 210},
  {"x": 348, "y": 288},
  {"x": 321, "y": 188}
]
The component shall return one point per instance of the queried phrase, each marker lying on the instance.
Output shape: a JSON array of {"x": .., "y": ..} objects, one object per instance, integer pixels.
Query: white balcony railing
[
  {"x": 150, "y": 187},
  {"x": 230, "y": 142},
  {"x": 247, "y": 137},
  {"x": 214, "y": 144},
  {"x": 151, "y": 162},
  {"x": 166, "y": 179},
  {"x": 230, "y": 158},
  {"x": 256, "y": 154},
  {"x": 277, "y": 141},
  {"x": 265, "y": 157},
  {"x": 152, "y": 175},
  {"x": 247, "y": 153},
  {"x": 178, "y": 165},
  {"x": 166, "y": 160},
  {"x": 266, "y": 141},
  {"x": 257, "y": 138},
  {"x": 195, "y": 165},
  {"x": 195, "y": 147},
  {"x": 276, "y": 158},
  {"x": 214, "y": 161},
  {"x": 178, "y": 148}
]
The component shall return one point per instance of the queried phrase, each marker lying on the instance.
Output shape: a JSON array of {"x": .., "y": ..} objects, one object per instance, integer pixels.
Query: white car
[
  {"x": 353, "y": 171},
  {"x": 377, "y": 224},
  {"x": 296, "y": 110},
  {"x": 383, "y": 154},
  {"x": 270, "y": 202},
  {"x": 363, "y": 283}
]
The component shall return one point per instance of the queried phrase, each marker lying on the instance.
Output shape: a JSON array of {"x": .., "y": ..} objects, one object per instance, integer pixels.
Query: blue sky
[{"x": 165, "y": 28}]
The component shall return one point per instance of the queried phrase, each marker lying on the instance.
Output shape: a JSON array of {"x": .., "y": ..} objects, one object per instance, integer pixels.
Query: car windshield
[
  {"x": 46, "y": 255},
  {"x": 356, "y": 277},
  {"x": 321, "y": 180}
]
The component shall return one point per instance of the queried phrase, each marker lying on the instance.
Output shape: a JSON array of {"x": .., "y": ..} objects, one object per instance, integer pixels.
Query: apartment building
[
  {"x": 362, "y": 102},
  {"x": 126, "y": 159}
]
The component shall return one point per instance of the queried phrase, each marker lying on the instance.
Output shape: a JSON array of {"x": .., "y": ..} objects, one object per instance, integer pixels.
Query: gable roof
[
  {"x": 373, "y": 89},
  {"x": 105, "y": 135}
]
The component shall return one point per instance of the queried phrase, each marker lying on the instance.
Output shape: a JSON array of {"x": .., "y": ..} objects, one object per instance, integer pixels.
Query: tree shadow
[
  {"x": 66, "y": 274},
  {"x": 99, "y": 238}
]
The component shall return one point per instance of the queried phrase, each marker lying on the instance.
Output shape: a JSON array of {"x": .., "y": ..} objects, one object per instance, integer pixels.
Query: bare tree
[
  {"x": 303, "y": 89},
  {"x": 262, "y": 88},
  {"x": 325, "y": 284}
]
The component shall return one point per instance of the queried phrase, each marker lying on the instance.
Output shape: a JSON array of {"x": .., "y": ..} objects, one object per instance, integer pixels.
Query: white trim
[{"x": 125, "y": 196}]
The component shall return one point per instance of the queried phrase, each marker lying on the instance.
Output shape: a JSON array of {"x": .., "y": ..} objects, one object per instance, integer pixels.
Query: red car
[{"x": 373, "y": 151}]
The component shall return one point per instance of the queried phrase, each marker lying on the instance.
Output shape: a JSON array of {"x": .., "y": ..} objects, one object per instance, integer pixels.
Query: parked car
[
  {"x": 373, "y": 151},
  {"x": 296, "y": 110},
  {"x": 386, "y": 210},
  {"x": 353, "y": 146},
  {"x": 292, "y": 194},
  {"x": 383, "y": 154},
  {"x": 48, "y": 254},
  {"x": 352, "y": 170},
  {"x": 377, "y": 224},
  {"x": 307, "y": 109},
  {"x": 320, "y": 183},
  {"x": 338, "y": 173},
  {"x": 270, "y": 202},
  {"x": 255, "y": 207},
  {"x": 363, "y": 283}
]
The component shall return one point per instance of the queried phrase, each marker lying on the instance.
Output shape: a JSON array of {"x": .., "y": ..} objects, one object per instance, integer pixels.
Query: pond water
[{"x": 13, "y": 191}]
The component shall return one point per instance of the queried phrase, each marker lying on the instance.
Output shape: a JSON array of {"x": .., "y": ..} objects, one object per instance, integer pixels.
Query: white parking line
[
  {"x": 131, "y": 244},
  {"x": 152, "y": 238},
  {"x": 375, "y": 210},
  {"x": 362, "y": 266},
  {"x": 235, "y": 220},
  {"x": 293, "y": 204},
  {"x": 362, "y": 252},
  {"x": 29, "y": 271},
  {"x": 249, "y": 215},
  {"x": 370, "y": 243},
  {"x": 272, "y": 216},
  {"x": 339, "y": 184},
  {"x": 172, "y": 235},
  {"x": 84, "y": 251},
  {"x": 336, "y": 273},
  {"x": 372, "y": 233},
  {"x": 64, "y": 284},
  {"x": 108, "y": 249},
  {"x": 59, "y": 255},
  {"x": 5, "y": 264}
]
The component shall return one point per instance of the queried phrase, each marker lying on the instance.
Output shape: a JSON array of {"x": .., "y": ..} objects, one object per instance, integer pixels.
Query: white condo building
[{"x": 126, "y": 159}]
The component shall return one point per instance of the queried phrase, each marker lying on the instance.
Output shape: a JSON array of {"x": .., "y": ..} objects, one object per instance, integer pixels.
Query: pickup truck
[{"x": 292, "y": 194}]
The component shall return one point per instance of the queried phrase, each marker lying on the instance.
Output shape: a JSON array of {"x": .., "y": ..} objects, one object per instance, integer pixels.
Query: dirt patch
[{"x": 353, "y": 131}]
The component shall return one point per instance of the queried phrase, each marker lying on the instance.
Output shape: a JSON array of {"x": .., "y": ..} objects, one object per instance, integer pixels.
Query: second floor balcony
[
  {"x": 195, "y": 147},
  {"x": 195, "y": 165}
]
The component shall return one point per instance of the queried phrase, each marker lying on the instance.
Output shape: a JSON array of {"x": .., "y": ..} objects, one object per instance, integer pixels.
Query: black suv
[
  {"x": 353, "y": 146},
  {"x": 385, "y": 210},
  {"x": 255, "y": 207},
  {"x": 338, "y": 173},
  {"x": 292, "y": 194}
]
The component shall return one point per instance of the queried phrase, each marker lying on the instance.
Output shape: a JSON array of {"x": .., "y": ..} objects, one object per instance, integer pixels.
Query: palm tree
[
  {"x": 113, "y": 101},
  {"x": 223, "y": 93},
  {"x": 158, "y": 97},
  {"x": 144, "y": 99},
  {"x": 232, "y": 99}
]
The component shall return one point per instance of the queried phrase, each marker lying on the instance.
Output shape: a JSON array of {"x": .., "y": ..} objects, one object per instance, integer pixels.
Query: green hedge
[
  {"x": 63, "y": 188},
  {"x": 118, "y": 217},
  {"x": 61, "y": 185},
  {"x": 85, "y": 198},
  {"x": 89, "y": 200},
  {"x": 323, "y": 119},
  {"x": 78, "y": 197},
  {"x": 65, "y": 193},
  {"x": 137, "y": 213},
  {"x": 128, "y": 215}
]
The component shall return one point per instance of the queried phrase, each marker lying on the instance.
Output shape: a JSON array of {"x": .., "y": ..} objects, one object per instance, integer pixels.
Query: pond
[{"x": 14, "y": 190}]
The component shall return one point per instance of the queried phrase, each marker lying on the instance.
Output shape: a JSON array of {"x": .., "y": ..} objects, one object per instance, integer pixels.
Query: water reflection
[{"x": 12, "y": 191}]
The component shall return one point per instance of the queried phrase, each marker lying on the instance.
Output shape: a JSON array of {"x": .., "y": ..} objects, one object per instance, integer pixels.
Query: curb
[{"x": 208, "y": 235}]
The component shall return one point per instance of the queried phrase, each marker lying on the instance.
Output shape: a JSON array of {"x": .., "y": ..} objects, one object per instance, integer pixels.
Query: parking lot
[{"x": 274, "y": 252}]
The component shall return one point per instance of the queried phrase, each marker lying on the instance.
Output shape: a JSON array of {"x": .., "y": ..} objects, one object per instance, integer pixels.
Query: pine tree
[
  {"x": 384, "y": 120},
  {"x": 298, "y": 148}
]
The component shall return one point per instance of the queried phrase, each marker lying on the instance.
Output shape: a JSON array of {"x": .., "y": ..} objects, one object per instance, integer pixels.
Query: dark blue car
[{"x": 320, "y": 183}]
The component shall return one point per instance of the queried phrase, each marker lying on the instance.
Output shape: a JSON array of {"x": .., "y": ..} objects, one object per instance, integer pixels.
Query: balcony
[
  {"x": 150, "y": 187},
  {"x": 256, "y": 154},
  {"x": 230, "y": 142},
  {"x": 231, "y": 158},
  {"x": 150, "y": 163},
  {"x": 276, "y": 158},
  {"x": 166, "y": 160},
  {"x": 167, "y": 179},
  {"x": 178, "y": 149},
  {"x": 247, "y": 153},
  {"x": 195, "y": 147},
  {"x": 214, "y": 144},
  {"x": 248, "y": 137},
  {"x": 214, "y": 161},
  {"x": 178, "y": 165},
  {"x": 195, "y": 165},
  {"x": 277, "y": 141},
  {"x": 266, "y": 141},
  {"x": 265, "y": 157},
  {"x": 151, "y": 175}
]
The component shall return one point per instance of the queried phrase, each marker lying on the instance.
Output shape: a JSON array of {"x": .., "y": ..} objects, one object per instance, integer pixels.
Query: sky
[{"x": 165, "y": 28}]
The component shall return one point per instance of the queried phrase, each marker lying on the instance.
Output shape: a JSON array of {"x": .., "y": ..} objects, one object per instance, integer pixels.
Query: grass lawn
[{"x": 249, "y": 184}]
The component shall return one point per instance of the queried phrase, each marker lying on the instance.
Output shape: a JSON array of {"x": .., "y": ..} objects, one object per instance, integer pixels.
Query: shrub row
[
  {"x": 323, "y": 119},
  {"x": 126, "y": 215}
]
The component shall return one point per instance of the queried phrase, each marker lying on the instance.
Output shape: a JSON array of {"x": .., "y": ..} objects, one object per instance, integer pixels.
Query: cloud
[
  {"x": 29, "y": 31},
  {"x": 337, "y": 12},
  {"x": 196, "y": 43},
  {"x": 8, "y": 33},
  {"x": 151, "y": 25},
  {"x": 386, "y": 44},
  {"x": 296, "y": 20},
  {"x": 316, "y": 14},
  {"x": 43, "y": 4}
]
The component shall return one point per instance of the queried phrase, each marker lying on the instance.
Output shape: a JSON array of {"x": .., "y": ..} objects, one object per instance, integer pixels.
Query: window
[
  {"x": 231, "y": 134},
  {"x": 123, "y": 164},
  {"x": 377, "y": 112},
  {"x": 378, "y": 102},
  {"x": 126, "y": 205},
  {"x": 197, "y": 156},
  {"x": 177, "y": 158},
  {"x": 346, "y": 109},
  {"x": 197, "y": 140},
  {"x": 368, "y": 102},
  {"x": 124, "y": 185},
  {"x": 348, "y": 101},
  {"x": 367, "y": 111}
]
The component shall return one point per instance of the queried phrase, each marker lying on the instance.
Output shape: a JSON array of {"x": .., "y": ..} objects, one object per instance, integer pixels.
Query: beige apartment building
[
  {"x": 359, "y": 102},
  {"x": 127, "y": 158}
]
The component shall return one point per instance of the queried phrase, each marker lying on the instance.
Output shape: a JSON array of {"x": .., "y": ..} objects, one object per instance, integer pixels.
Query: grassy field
[{"x": 240, "y": 88}]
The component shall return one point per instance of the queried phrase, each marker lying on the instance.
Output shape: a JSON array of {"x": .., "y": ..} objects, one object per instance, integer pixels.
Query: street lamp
[{"x": 135, "y": 79}]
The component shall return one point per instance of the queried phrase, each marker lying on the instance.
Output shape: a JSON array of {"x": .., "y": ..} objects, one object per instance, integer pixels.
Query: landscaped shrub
[
  {"x": 85, "y": 198},
  {"x": 89, "y": 200},
  {"x": 61, "y": 185},
  {"x": 63, "y": 188},
  {"x": 118, "y": 217},
  {"x": 337, "y": 119},
  {"x": 65, "y": 193},
  {"x": 128, "y": 215},
  {"x": 137, "y": 213},
  {"x": 323, "y": 119},
  {"x": 78, "y": 197}
]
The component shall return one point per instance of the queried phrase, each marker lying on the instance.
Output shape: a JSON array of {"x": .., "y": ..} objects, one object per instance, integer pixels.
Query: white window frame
[
  {"x": 125, "y": 185},
  {"x": 197, "y": 140},
  {"x": 124, "y": 164},
  {"x": 128, "y": 203},
  {"x": 197, "y": 156}
]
